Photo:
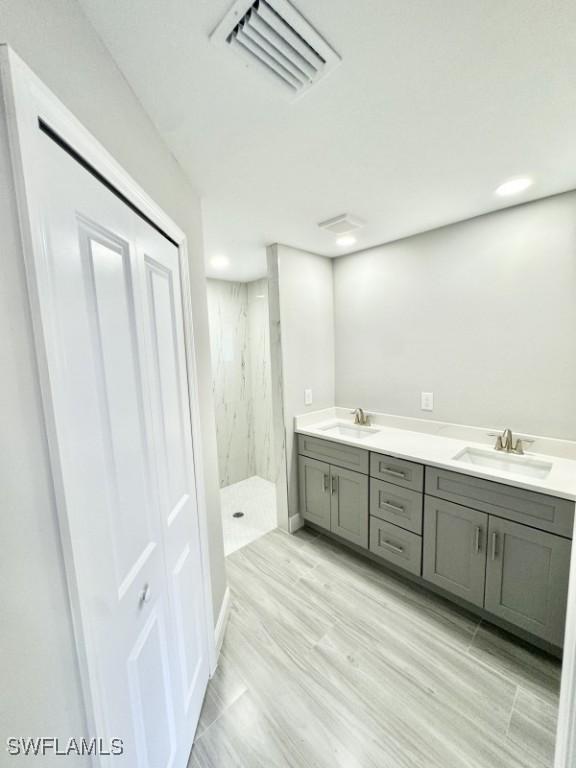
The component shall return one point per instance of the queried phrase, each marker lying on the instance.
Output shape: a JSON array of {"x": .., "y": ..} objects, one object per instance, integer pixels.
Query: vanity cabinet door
[
  {"x": 527, "y": 578},
  {"x": 349, "y": 505},
  {"x": 314, "y": 484},
  {"x": 455, "y": 549}
]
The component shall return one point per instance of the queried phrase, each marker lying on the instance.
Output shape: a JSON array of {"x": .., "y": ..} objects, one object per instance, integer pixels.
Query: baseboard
[
  {"x": 220, "y": 629},
  {"x": 295, "y": 522}
]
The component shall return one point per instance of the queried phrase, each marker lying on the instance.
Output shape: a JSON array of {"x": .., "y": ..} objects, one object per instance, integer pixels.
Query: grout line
[
  {"x": 473, "y": 638},
  {"x": 512, "y": 711},
  {"x": 220, "y": 716}
]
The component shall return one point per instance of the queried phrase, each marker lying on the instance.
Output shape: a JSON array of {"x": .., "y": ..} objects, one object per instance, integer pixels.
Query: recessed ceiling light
[
  {"x": 514, "y": 186},
  {"x": 220, "y": 262},
  {"x": 345, "y": 240}
]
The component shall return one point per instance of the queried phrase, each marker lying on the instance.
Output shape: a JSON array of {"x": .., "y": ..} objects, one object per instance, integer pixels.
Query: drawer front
[
  {"x": 334, "y": 453},
  {"x": 398, "y": 471},
  {"x": 544, "y": 512},
  {"x": 396, "y": 545},
  {"x": 396, "y": 505}
]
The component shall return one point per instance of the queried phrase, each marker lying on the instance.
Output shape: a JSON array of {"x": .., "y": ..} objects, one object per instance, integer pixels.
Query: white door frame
[
  {"x": 565, "y": 756},
  {"x": 26, "y": 100}
]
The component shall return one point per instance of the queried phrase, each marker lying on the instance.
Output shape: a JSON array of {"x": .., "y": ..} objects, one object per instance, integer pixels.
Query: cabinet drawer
[
  {"x": 398, "y": 471},
  {"x": 396, "y": 545},
  {"x": 400, "y": 506},
  {"x": 521, "y": 506},
  {"x": 346, "y": 456}
]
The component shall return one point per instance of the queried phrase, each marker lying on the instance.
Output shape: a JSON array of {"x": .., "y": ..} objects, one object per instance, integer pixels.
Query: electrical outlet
[
  {"x": 307, "y": 397},
  {"x": 427, "y": 401}
]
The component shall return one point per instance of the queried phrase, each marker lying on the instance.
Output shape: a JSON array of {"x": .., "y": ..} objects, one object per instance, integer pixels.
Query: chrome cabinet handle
[
  {"x": 477, "y": 532},
  {"x": 334, "y": 484},
  {"x": 393, "y": 547},
  {"x": 494, "y": 545},
  {"x": 393, "y": 507},
  {"x": 326, "y": 481},
  {"x": 393, "y": 472},
  {"x": 389, "y": 544},
  {"x": 145, "y": 595}
]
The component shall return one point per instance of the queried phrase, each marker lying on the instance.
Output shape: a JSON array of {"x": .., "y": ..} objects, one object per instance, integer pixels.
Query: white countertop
[{"x": 420, "y": 440}]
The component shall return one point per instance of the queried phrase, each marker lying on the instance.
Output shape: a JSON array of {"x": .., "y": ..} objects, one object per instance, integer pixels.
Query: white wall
[
  {"x": 40, "y": 686},
  {"x": 482, "y": 313},
  {"x": 306, "y": 309}
]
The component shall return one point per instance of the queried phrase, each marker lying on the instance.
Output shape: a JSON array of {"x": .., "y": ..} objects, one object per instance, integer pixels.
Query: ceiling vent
[
  {"x": 273, "y": 36},
  {"x": 341, "y": 225}
]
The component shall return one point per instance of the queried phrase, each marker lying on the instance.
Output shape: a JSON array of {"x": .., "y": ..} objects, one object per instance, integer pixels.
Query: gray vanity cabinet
[
  {"x": 314, "y": 482},
  {"x": 511, "y": 570},
  {"x": 503, "y": 549},
  {"x": 455, "y": 549},
  {"x": 527, "y": 578},
  {"x": 349, "y": 505},
  {"x": 335, "y": 499}
]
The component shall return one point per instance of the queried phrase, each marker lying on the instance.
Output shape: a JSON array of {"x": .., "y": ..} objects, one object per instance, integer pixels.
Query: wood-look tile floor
[{"x": 330, "y": 661}]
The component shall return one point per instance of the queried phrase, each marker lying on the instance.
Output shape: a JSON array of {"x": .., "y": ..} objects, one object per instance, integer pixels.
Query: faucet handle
[
  {"x": 520, "y": 443},
  {"x": 499, "y": 445}
]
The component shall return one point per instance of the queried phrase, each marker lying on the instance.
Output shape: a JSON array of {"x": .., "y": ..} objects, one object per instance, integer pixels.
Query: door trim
[
  {"x": 26, "y": 101},
  {"x": 565, "y": 755}
]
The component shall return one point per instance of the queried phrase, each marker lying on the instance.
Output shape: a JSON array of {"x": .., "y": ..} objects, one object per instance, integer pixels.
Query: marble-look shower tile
[
  {"x": 277, "y": 386},
  {"x": 235, "y": 458},
  {"x": 231, "y": 379},
  {"x": 260, "y": 377}
]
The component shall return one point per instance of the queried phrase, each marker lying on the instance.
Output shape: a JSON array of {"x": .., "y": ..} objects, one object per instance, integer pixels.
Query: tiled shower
[{"x": 240, "y": 349}]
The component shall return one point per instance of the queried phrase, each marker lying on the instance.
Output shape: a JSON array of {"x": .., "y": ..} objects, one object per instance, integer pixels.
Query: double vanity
[{"x": 489, "y": 529}]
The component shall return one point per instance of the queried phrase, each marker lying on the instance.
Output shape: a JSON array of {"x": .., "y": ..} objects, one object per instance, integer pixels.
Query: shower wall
[{"x": 240, "y": 346}]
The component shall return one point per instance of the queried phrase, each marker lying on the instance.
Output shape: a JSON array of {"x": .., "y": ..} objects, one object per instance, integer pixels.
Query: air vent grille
[
  {"x": 342, "y": 224},
  {"x": 275, "y": 36}
]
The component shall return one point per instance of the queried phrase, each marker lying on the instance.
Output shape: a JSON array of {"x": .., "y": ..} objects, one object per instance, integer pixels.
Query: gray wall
[
  {"x": 307, "y": 341},
  {"x": 482, "y": 313},
  {"x": 40, "y": 684}
]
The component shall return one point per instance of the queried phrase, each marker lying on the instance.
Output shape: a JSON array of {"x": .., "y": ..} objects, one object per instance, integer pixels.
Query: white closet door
[
  {"x": 160, "y": 276},
  {"x": 112, "y": 320}
]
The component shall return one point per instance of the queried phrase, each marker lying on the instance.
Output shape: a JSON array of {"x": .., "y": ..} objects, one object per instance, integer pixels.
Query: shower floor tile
[{"x": 255, "y": 498}]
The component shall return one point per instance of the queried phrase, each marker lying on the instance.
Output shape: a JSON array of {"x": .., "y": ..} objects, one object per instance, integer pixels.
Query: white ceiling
[{"x": 434, "y": 105}]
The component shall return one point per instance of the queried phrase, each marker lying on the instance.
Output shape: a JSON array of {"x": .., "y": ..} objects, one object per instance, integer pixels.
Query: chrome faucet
[
  {"x": 505, "y": 442},
  {"x": 360, "y": 417}
]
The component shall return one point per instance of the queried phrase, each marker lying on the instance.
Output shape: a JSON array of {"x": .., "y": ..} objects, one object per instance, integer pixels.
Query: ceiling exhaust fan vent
[
  {"x": 274, "y": 36},
  {"x": 342, "y": 224}
]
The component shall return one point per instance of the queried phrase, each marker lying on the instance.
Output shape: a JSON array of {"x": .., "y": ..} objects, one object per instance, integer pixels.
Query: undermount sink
[
  {"x": 505, "y": 462},
  {"x": 344, "y": 429}
]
